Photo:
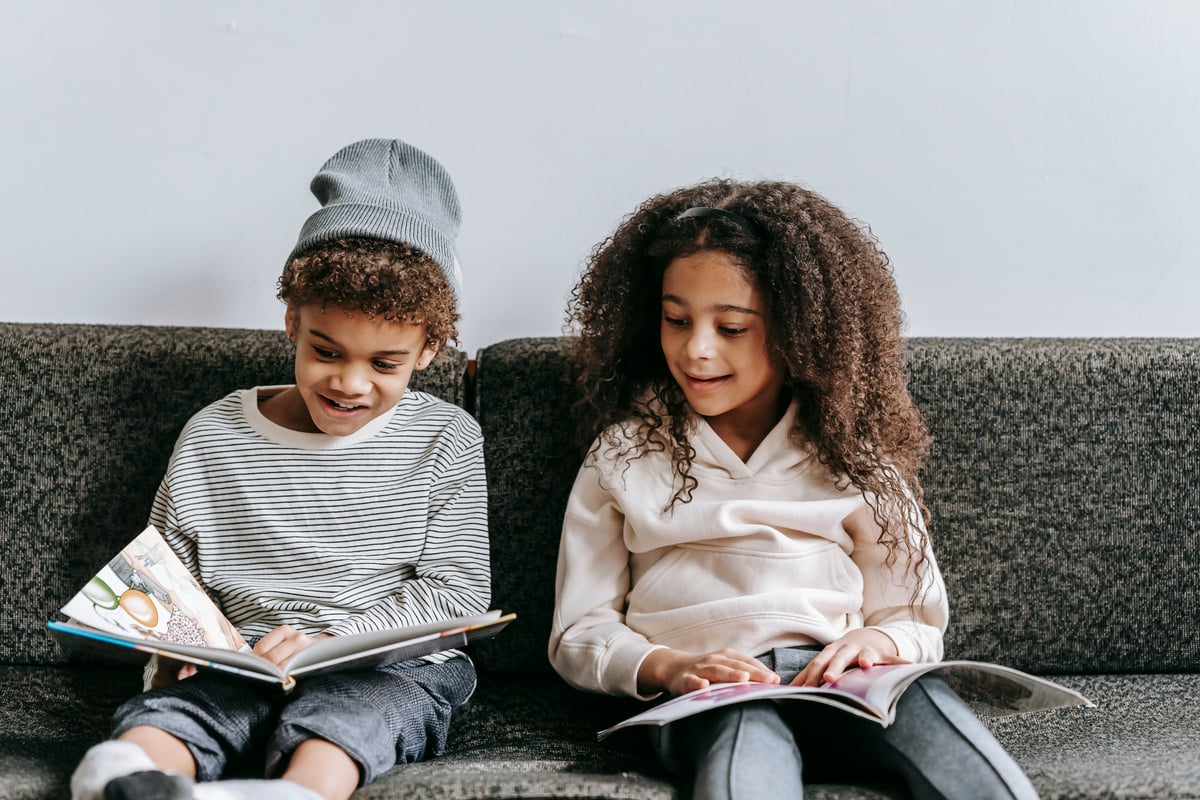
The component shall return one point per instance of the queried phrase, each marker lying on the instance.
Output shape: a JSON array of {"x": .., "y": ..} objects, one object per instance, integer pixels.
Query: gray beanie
[{"x": 387, "y": 189}]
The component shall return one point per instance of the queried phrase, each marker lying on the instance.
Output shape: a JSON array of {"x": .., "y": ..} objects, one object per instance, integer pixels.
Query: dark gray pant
[
  {"x": 397, "y": 713},
  {"x": 765, "y": 749}
]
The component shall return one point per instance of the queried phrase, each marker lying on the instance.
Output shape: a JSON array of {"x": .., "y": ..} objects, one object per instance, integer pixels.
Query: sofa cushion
[
  {"x": 535, "y": 737},
  {"x": 49, "y": 716},
  {"x": 91, "y": 414},
  {"x": 1141, "y": 741}
]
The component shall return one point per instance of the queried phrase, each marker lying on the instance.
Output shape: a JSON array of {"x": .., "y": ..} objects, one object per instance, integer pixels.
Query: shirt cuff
[
  {"x": 620, "y": 670},
  {"x": 907, "y": 646}
]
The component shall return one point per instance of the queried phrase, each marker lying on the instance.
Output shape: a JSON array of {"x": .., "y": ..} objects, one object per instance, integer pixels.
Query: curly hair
[
  {"x": 833, "y": 320},
  {"x": 377, "y": 278}
]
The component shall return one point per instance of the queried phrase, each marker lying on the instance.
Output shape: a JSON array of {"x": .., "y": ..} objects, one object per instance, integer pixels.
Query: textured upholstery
[{"x": 1063, "y": 485}]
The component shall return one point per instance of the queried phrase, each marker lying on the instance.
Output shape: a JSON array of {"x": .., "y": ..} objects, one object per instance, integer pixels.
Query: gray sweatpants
[
  {"x": 765, "y": 749},
  {"x": 396, "y": 713}
]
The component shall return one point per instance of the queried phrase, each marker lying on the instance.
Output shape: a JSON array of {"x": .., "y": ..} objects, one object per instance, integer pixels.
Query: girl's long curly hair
[{"x": 834, "y": 327}]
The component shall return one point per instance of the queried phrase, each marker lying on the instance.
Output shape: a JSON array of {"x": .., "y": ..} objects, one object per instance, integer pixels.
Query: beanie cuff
[{"x": 345, "y": 220}]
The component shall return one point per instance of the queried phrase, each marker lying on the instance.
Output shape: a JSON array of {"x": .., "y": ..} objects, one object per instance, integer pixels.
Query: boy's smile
[
  {"x": 350, "y": 369},
  {"x": 714, "y": 339}
]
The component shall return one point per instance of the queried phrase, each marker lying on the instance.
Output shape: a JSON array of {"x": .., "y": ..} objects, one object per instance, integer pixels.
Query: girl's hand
[
  {"x": 284, "y": 642},
  {"x": 864, "y": 647},
  {"x": 678, "y": 672}
]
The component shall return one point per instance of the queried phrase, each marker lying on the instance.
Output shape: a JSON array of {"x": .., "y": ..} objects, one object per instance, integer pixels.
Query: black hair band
[{"x": 705, "y": 212}]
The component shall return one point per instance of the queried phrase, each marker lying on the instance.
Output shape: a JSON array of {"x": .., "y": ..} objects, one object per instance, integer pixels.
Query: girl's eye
[
  {"x": 385, "y": 366},
  {"x": 673, "y": 322},
  {"x": 323, "y": 353},
  {"x": 733, "y": 331}
]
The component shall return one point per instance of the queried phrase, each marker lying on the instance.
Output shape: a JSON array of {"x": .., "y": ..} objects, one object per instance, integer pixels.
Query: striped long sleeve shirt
[{"x": 336, "y": 534}]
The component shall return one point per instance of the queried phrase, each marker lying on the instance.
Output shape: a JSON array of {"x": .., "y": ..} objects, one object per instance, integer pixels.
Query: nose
[
  {"x": 701, "y": 343},
  {"x": 351, "y": 380}
]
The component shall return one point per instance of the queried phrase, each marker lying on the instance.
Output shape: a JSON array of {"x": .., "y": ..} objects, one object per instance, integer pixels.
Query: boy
[{"x": 340, "y": 504}]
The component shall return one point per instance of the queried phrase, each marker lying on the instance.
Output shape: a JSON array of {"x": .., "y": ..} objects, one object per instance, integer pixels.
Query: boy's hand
[
  {"x": 678, "y": 672},
  {"x": 284, "y": 642},
  {"x": 168, "y": 672},
  {"x": 864, "y": 648}
]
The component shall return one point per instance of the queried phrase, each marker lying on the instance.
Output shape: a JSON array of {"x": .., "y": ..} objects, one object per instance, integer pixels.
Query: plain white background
[{"x": 1031, "y": 167}]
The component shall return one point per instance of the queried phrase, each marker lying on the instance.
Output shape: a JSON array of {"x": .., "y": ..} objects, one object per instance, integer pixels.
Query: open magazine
[
  {"x": 990, "y": 689},
  {"x": 146, "y": 602}
]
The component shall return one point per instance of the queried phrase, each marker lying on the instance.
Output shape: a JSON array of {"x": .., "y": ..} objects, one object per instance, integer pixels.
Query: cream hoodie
[{"x": 762, "y": 556}]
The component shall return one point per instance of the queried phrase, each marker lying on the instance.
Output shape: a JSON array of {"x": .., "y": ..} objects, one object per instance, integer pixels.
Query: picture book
[
  {"x": 872, "y": 693},
  {"x": 146, "y": 602}
]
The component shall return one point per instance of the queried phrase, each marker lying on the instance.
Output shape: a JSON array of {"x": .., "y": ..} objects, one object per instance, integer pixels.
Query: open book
[
  {"x": 990, "y": 689},
  {"x": 145, "y": 601}
]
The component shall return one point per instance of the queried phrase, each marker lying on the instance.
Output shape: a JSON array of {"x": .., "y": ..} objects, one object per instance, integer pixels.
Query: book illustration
[
  {"x": 146, "y": 590},
  {"x": 990, "y": 689},
  {"x": 145, "y": 602}
]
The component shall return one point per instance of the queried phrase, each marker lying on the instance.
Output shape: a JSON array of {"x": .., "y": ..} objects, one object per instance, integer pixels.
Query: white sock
[
  {"x": 254, "y": 790},
  {"x": 102, "y": 763}
]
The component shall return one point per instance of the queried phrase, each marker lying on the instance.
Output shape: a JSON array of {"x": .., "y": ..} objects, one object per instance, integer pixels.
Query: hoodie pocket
[{"x": 695, "y": 575}]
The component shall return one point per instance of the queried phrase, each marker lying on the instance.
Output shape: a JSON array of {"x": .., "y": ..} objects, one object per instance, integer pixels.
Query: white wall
[{"x": 1030, "y": 166}]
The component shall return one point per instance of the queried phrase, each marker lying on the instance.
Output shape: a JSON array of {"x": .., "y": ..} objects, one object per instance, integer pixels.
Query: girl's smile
[
  {"x": 714, "y": 339},
  {"x": 702, "y": 383}
]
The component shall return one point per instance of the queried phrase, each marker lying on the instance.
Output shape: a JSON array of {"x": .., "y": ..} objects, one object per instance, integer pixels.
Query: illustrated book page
[{"x": 145, "y": 602}]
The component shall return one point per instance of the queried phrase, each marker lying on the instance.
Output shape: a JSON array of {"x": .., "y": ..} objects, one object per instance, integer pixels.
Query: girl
[{"x": 749, "y": 507}]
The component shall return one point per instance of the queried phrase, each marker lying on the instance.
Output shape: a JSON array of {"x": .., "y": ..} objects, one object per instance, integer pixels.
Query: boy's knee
[{"x": 379, "y": 719}]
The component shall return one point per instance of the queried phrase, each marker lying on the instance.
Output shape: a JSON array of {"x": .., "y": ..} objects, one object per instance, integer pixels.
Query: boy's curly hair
[
  {"x": 833, "y": 323},
  {"x": 375, "y": 277}
]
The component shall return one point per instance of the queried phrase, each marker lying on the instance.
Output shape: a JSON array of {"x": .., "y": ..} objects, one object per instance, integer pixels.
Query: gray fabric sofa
[{"x": 1064, "y": 485}]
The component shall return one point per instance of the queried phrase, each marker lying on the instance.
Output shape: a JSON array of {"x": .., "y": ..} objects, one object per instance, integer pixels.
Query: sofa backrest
[
  {"x": 1064, "y": 480},
  {"x": 1065, "y": 490},
  {"x": 90, "y": 414},
  {"x": 523, "y": 394},
  {"x": 1064, "y": 485}
]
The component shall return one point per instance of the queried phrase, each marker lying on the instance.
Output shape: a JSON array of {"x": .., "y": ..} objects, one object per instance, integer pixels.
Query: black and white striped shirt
[{"x": 338, "y": 534}]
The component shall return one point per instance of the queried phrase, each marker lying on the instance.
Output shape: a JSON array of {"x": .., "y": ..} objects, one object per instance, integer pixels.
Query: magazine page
[
  {"x": 145, "y": 591},
  {"x": 724, "y": 694},
  {"x": 994, "y": 690},
  {"x": 374, "y": 648},
  {"x": 990, "y": 689}
]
